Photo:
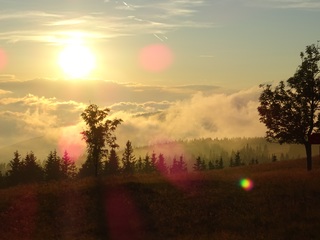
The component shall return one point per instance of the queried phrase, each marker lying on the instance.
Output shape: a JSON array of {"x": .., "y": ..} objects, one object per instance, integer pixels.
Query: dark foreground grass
[{"x": 284, "y": 204}]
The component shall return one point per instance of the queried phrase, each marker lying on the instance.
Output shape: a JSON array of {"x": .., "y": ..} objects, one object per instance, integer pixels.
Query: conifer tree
[
  {"x": 139, "y": 165},
  {"x": 16, "y": 168},
  {"x": 128, "y": 159},
  {"x": 112, "y": 165},
  {"x": 31, "y": 170},
  {"x": 161, "y": 164},
  {"x": 237, "y": 159},
  {"x": 68, "y": 167},
  {"x": 200, "y": 165},
  {"x": 147, "y": 166},
  {"x": 153, "y": 162},
  {"x": 52, "y": 169},
  {"x": 221, "y": 165},
  {"x": 211, "y": 165}
]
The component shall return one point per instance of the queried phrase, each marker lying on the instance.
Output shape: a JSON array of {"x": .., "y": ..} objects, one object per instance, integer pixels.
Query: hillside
[{"x": 283, "y": 204}]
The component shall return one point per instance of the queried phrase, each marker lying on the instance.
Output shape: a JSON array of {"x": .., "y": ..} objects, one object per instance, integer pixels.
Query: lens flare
[
  {"x": 246, "y": 184},
  {"x": 70, "y": 141},
  {"x": 156, "y": 57},
  {"x": 3, "y": 59}
]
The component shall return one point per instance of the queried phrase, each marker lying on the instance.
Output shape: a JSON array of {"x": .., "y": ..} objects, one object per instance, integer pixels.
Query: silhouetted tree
[
  {"x": 211, "y": 165},
  {"x": 112, "y": 165},
  {"x": 16, "y": 168},
  {"x": 153, "y": 162},
  {"x": 147, "y": 166},
  {"x": 231, "y": 164},
  {"x": 178, "y": 166},
  {"x": 68, "y": 167},
  {"x": 237, "y": 159},
  {"x": 199, "y": 165},
  {"x": 31, "y": 170},
  {"x": 128, "y": 159},
  {"x": 219, "y": 163},
  {"x": 99, "y": 135},
  {"x": 139, "y": 165},
  {"x": 161, "y": 164},
  {"x": 291, "y": 111},
  {"x": 52, "y": 169}
]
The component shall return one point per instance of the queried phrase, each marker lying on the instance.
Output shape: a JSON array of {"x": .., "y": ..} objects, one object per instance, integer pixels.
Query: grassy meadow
[{"x": 284, "y": 203}]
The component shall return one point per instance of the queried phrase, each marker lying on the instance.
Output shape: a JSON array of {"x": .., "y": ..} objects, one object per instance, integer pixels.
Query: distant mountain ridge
[{"x": 41, "y": 146}]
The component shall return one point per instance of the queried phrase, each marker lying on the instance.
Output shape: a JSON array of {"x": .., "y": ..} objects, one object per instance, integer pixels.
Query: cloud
[
  {"x": 3, "y": 92},
  {"x": 151, "y": 114},
  {"x": 104, "y": 93},
  {"x": 215, "y": 116},
  {"x": 288, "y": 4},
  {"x": 7, "y": 77},
  {"x": 49, "y": 26}
]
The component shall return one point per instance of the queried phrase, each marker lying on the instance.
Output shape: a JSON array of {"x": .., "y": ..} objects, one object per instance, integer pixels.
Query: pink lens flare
[
  {"x": 246, "y": 184},
  {"x": 70, "y": 141},
  {"x": 3, "y": 59},
  {"x": 156, "y": 57}
]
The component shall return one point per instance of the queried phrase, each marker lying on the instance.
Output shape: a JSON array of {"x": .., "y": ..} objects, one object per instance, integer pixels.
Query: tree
[
  {"x": 147, "y": 166},
  {"x": 178, "y": 166},
  {"x": 31, "y": 170},
  {"x": 68, "y": 167},
  {"x": 112, "y": 165},
  {"x": 15, "y": 171},
  {"x": 199, "y": 165},
  {"x": 52, "y": 169},
  {"x": 237, "y": 159},
  {"x": 128, "y": 159},
  {"x": 161, "y": 165},
  {"x": 99, "y": 135},
  {"x": 290, "y": 111}
]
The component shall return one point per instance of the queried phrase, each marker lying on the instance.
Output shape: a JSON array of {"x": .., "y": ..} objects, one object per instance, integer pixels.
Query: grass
[{"x": 283, "y": 204}]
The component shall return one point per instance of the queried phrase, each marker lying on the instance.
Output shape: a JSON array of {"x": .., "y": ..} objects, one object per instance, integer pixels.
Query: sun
[{"x": 76, "y": 61}]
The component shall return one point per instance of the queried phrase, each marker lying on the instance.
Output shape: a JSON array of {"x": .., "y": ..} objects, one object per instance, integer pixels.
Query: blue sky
[{"x": 221, "y": 50}]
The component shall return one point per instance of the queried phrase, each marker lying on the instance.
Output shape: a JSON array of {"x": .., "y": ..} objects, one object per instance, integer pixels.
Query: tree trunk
[{"x": 309, "y": 155}]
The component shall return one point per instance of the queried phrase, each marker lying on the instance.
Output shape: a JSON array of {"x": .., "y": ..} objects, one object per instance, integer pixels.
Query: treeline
[{"x": 56, "y": 168}]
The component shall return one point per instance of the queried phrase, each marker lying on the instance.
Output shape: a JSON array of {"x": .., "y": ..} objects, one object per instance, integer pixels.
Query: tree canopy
[
  {"x": 99, "y": 135},
  {"x": 290, "y": 111}
]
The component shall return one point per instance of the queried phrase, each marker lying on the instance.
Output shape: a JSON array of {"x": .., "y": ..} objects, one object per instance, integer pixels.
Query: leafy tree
[
  {"x": 68, "y": 167},
  {"x": 52, "y": 167},
  {"x": 290, "y": 111},
  {"x": 99, "y": 135},
  {"x": 112, "y": 165},
  {"x": 15, "y": 171},
  {"x": 128, "y": 159}
]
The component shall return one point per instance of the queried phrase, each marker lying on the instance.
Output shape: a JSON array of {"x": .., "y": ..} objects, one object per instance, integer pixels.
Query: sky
[{"x": 171, "y": 69}]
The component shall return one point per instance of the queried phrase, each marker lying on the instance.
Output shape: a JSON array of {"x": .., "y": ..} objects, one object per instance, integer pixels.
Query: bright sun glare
[{"x": 77, "y": 61}]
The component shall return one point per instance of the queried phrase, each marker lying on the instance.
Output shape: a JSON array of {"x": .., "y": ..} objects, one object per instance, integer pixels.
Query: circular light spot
[
  {"x": 246, "y": 184},
  {"x": 156, "y": 57},
  {"x": 3, "y": 59}
]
